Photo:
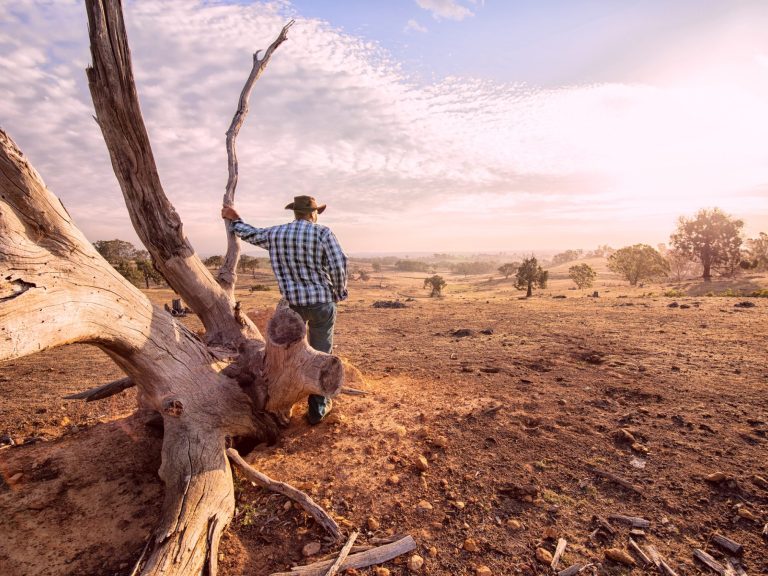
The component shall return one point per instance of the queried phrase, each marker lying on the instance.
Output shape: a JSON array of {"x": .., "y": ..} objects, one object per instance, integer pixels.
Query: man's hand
[{"x": 229, "y": 213}]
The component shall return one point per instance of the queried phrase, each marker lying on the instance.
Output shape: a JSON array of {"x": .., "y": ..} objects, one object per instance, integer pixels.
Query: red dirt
[{"x": 533, "y": 403}]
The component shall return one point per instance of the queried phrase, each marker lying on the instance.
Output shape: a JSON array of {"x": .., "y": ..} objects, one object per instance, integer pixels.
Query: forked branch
[{"x": 227, "y": 276}]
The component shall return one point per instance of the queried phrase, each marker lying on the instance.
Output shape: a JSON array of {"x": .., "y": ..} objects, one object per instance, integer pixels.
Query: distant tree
[
  {"x": 530, "y": 274},
  {"x": 583, "y": 275},
  {"x": 471, "y": 268},
  {"x": 247, "y": 263},
  {"x": 680, "y": 265},
  {"x": 376, "y": 266},
  {"x": 362, "y": 274},
  {"x": 567, "y": 256},
  {"x": 115, "y": 251},
  {"x": 602, "y": 251},
  {"x": 436, "y": 284},
  {"x": 712, "y": 238},
  {"x": 214, "y": 261},
  {"x": 147, "y": 269},
  {"x": 756, "y": 255},
  {"x": 411, "y": 266},
  {"x": 508, "y": 269},
  {"x": 637, "y": 263}
]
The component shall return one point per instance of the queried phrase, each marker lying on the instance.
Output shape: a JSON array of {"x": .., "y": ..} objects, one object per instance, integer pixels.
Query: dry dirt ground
[{"x": 513, "y": 402}]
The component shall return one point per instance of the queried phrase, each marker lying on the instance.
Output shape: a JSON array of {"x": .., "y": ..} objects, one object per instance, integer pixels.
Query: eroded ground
[{"x": 528, "y": 402}]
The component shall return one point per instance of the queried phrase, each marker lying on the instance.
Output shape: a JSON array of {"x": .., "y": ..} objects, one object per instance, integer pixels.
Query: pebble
[
  {"x": 432, "y": 552},
  {"x": 470, "y": 545},
  {"x": 483, "y": 571},
  {"x": 421, "y": 463},
  {"x": 424, "y": 506},
  {"x": 459, "y": 504},
  {"x": 311, "y": 548},
  {"x": 415, "y": 563},
  {"x": 373, "y": 524},
  {"x": 514, "y": 524},
  {"x": 619, "y": 555},
  {"x": 381, "y": 571},
  {"x": 394, "y": 479},
  {"x": 544, "y": 556}
]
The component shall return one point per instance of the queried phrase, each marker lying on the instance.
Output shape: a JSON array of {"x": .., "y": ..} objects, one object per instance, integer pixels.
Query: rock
[
  {"x": 458, "y": 504},
  {"x": 514, "y": 524},
  {"x": 544, "y": 556},
  {"x": 483, "y": 571},
  {"x": 424, "y": 506},
  {"x": 381, "y": 571},
  {"x": 550, "y": 533},
  {"x": 673, "y": 305},
  {"x": 624, "y": 435},
  {"x": 373, "y": 524},
  {"x": 470, "y": 545},
  {"x": 747, "y": 514},
  {"x": 642, "y": 448},
  {"x": 619, "y": 555},
  {"x": 15, "y": 478},
  {"x": 421, "y": 463},
  {"x": 440, "y": 441},
  {"x": 415, "y": 563},
  {"x": 432, "y": 552},
  {"x": 394, "y": 479},
  {"x": 288, "y": 505},
  {"x": 311, "y": 548},
  {"x": 745, "y": 304},
  {"x": 717, "y": 477}
]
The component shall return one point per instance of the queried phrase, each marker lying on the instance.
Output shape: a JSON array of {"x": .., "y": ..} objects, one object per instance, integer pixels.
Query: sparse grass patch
[{"x": 674, "y": 293}]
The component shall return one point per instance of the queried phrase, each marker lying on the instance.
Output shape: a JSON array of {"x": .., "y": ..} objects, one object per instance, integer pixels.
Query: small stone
[
  {"x": 421, "y": 463},
  {"x": 311, "y": 548},
  {"x": 514, "y": 524},
  {"x": 432, "y": 552},
  {"x": 747, "y": 514},
  {"x": 544, "y": 556},
  {"x": 287, "y": 506},
  {"x": 15, "y": 478},
  {"x": 440, "y": 441},
  {"x": 381, "y": 571},
  {"x": 619, "y": 555},
  {"x": 470, "y": 545},
  {"x": 394, "y": 479},
  {"x": 550, "y": 533},
  {"x": 642, "y": 448},
  {"x": 415, "y": 563},
  {"x": 459, "y": 504},
  {"x": 373, "y": 524},
  {"x": 424, "y": 506},
  {"x": 483, "y": 571},
  {"x": 400, "y": 430}
]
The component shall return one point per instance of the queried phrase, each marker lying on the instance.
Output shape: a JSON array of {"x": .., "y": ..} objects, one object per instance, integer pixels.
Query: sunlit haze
[{"x": 425, "y": 125}]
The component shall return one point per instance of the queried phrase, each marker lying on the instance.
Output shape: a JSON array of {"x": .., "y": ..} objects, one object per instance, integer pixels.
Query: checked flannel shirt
[{"x": 306, "y": 258}]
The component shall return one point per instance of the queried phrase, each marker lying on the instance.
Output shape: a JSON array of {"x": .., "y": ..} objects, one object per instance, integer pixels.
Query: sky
[{"x": 424, "y": 125}]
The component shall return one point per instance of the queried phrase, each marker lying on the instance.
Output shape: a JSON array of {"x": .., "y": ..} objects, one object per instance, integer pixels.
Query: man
[{"x": 311, "y": 271}]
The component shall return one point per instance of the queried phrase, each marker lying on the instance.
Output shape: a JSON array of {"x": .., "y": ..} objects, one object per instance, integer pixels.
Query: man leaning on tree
[{"x": 311, "y": 271}]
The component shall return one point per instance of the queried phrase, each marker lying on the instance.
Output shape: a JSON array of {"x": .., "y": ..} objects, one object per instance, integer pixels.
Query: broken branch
[
  {"x": 342, "y": 555},
  {"x": 613, "y": 478},
  {"x": 320, "y": 515},
  {"x": 103, "y": 391}
]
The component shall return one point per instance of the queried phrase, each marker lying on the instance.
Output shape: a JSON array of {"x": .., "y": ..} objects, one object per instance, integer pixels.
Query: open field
[{"x": 514, "y": 403}]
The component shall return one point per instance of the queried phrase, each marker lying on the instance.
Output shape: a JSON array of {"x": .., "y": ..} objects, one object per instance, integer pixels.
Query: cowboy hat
[{"x": 305, "y": 204}]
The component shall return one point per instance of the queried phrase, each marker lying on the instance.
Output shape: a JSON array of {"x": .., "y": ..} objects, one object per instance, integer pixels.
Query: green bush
[
  {"x": 674, "y": 293},
  {"x": 260, "y": 288},
  {"x": 760, "y": 294}
]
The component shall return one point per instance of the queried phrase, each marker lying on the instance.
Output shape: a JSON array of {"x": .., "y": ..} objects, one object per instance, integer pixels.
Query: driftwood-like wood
[
  {"x": 227, "y": 276},
  {"x": 103, "y": 391},
  {"x": 57, "y": 289},
  {"x": 613, "y": 478},
  {"x": 561, "y": 544},
  {"x": 659, "y": 561},
  {"x": 633, "y": 521},
  {"x": 711, "y": 563},
  {"x": 316, "y": 511},
  {"x": 571, "y": 570},
  {"x": 727, "y": 544},
  {"x": 604, "y": 524},
  {"x": 362, "y": 560},
  {"x": 639, "y": 551},
  {"x": 336, "y": 566}
]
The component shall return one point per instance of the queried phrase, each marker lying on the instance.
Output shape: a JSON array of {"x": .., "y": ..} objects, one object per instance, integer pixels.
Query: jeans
[{"x": 320, "y": 319}]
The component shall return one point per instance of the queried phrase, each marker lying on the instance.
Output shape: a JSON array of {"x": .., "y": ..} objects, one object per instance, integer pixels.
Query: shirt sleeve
[
  {"x": 337, "y": 267},
  {"x": 257, "y": 236}
]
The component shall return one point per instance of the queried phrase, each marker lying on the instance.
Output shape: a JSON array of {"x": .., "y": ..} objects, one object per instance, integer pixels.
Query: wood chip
[
  {"x": 727, "y": 544},
  {"x": 561, "y": 544},
  {"x": 633, "y": 521},
  {"x": 708, "y": 561}
]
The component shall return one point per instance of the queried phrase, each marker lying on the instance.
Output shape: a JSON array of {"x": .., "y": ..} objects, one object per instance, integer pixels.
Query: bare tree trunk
[{"x": 55, "y": 289}]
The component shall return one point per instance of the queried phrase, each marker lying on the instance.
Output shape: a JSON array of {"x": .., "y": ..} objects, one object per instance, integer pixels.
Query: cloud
[
  {"x": 395, "y": 159},
  {"x": 448, "y": 9},
  {"x": 414, "y": 26}
]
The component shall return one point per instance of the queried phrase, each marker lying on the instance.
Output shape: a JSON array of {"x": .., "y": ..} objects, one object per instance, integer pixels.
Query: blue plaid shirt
[{"x": 306, "y": 258}]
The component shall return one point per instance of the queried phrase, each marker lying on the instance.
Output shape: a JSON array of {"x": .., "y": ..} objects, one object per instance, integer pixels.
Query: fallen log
[
  {"x": 659, "y": 561},
  {"x": 727, "y": 544},
  {"x": 616, "y": 479},
  {"x": 634, "y": 521},
  {"x": 362, "y": 560},
  {"x": 710, "y": 562},
  {"x": 320, "y": 515}
]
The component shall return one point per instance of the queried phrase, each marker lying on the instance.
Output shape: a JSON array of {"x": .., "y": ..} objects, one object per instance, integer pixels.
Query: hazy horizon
[{"x": 425, "y": 125}]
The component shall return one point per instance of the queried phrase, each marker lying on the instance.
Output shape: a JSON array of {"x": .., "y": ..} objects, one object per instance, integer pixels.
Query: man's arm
[
  {"x": 337, "y": 267},
  {"x": 257, "y": 236}
]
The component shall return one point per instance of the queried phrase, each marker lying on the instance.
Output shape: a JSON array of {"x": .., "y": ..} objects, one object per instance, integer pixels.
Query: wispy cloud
[
  {"x": 455, "y": 164},
  {"x": 414, "y": 26},
  {"x": 448, "y": 9}
]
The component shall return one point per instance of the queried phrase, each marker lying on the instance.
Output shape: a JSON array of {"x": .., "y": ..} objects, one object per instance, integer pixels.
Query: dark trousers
[{"x": 320, "y": 319}]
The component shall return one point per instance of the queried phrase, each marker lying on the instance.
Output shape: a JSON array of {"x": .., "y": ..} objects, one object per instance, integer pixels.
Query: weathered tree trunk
[{"x": 56, "y": 289}]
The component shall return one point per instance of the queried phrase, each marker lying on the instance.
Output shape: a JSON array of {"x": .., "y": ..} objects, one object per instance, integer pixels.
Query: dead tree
[{"x": 56, "y": 289}]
